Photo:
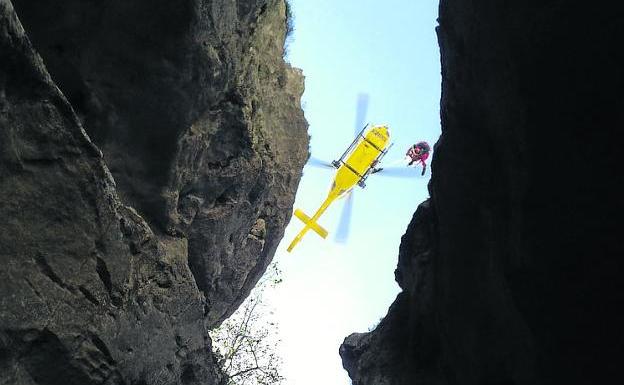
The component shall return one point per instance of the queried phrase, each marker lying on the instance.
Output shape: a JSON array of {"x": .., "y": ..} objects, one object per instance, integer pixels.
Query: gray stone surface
[
  {"x": 115, "y": 277},
  {"x": 198, "y": 118}
]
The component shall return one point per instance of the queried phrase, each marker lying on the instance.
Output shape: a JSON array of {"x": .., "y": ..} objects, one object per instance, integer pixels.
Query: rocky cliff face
[
  {"x": 512, "y": 272},
  {"x": 150, "y": 152}
]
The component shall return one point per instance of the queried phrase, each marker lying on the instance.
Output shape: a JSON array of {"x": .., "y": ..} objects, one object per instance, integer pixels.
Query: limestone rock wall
[
  {"x": 149, "y": 156},
  {"x": 198, "y": 118}
]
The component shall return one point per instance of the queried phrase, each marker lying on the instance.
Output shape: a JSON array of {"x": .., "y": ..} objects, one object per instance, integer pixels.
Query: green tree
[{"x": 247, "y": 342}]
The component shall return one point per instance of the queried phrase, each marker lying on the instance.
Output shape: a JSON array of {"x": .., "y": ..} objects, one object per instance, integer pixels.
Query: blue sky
[{"x": 389, "y": 51}]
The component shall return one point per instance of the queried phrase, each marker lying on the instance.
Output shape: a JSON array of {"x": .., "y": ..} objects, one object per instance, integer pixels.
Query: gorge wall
[
  {"x": 512, "y": 271},
  {"x": 149, "y": 156}
]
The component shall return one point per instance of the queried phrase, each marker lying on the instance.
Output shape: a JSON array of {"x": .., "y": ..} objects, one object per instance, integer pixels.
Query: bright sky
[{"x": 389, "y": 51}]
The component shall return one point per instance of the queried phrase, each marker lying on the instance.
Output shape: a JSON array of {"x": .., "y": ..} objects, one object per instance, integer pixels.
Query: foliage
[
  {"x": 290, "y": 27},
  {"x": 246, "y": 343},
  {"x": 290, "y": 24}
]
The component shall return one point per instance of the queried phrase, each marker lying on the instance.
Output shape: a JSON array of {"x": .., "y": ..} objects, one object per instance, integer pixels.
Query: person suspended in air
[{"x": 418, "y": 153}]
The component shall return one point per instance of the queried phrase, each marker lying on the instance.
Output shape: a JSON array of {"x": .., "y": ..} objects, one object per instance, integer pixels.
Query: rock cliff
[
  {"x": 512, "y": 271},
  {"x": 149, "y": 156}
]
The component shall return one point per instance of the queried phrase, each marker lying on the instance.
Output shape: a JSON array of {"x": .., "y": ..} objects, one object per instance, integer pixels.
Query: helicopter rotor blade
[
  {"x": 360, "y": 112},
  {"x": 402, "y": 172},
  {"x": 316, "y": 162},
  {"x": 342, "y": 233}
]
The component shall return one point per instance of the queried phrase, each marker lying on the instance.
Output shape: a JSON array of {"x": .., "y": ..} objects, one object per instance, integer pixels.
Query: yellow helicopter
[{"x": 353, "y": 167}]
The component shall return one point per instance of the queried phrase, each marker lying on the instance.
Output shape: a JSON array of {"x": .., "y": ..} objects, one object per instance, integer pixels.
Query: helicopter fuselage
[{"x": 354, "y": 166}]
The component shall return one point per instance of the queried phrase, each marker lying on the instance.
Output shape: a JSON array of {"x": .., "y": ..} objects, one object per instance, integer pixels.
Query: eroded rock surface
[
  {"x": 198, "y": 118},
  {"x": 116, "y": 263},
  {"x": 512, "y": 273}
]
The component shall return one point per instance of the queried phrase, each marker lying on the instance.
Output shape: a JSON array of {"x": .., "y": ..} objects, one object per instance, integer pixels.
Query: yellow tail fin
[{"x": 313, "y": 225}]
